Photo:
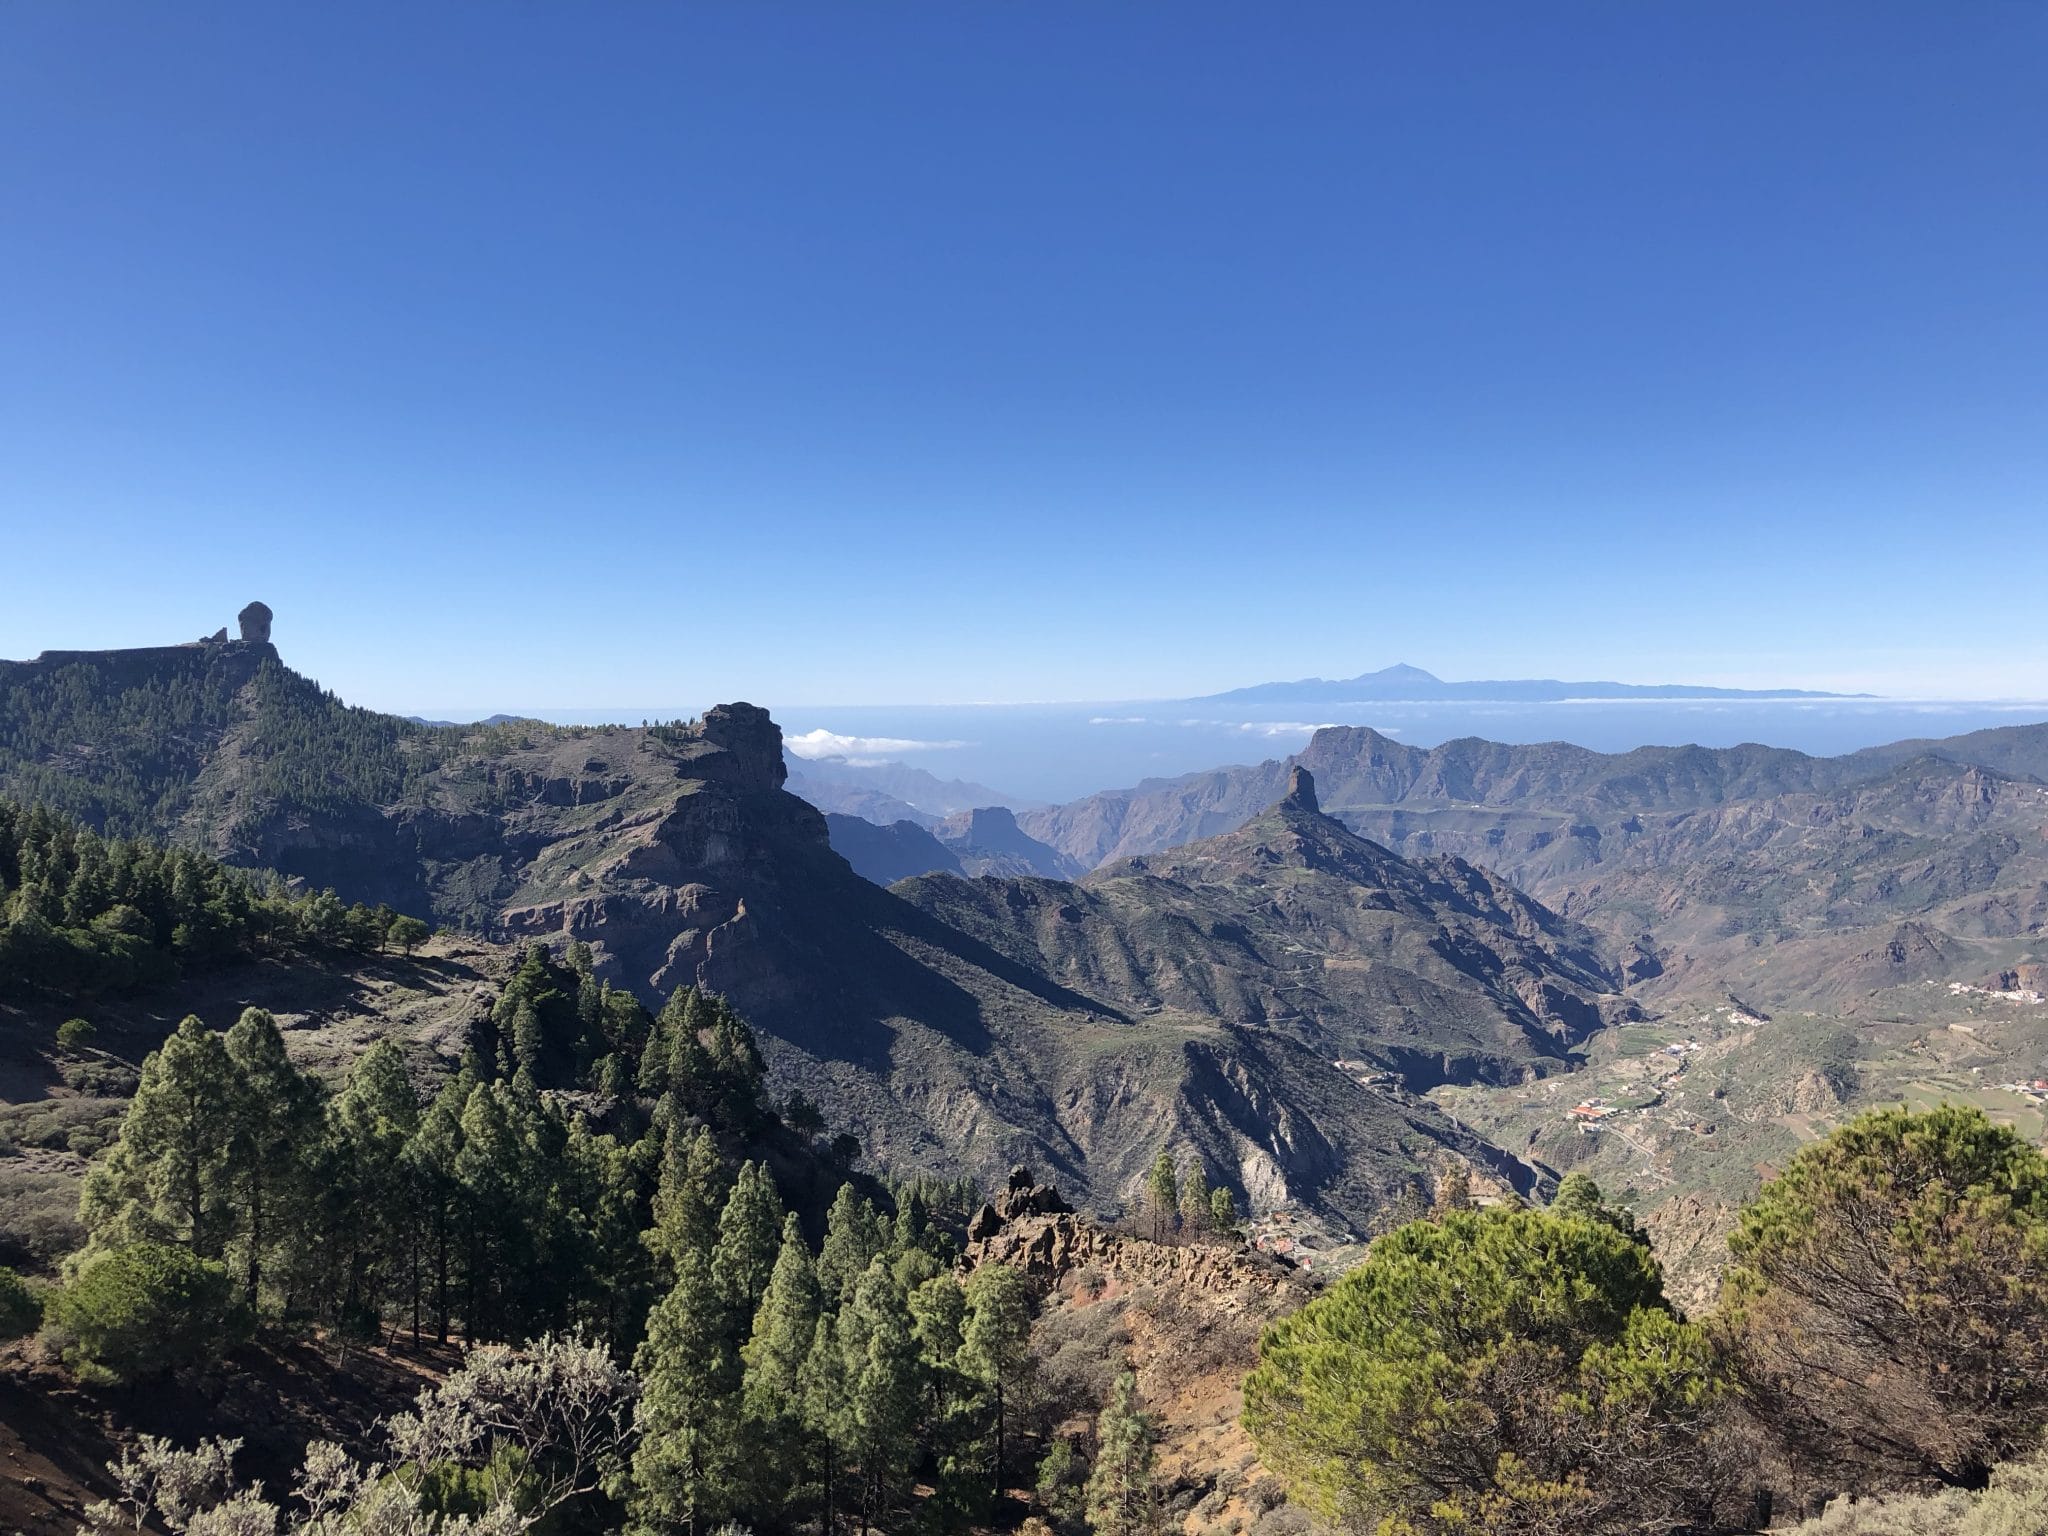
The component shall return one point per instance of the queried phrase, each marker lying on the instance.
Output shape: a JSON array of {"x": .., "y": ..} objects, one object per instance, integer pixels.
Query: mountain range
[
  {"x": 1283, "y": 967},
  {"x": 950, "y": 1022},
  {"x": 1688, "y": 855},
  {"x": 886, "y": 791}
]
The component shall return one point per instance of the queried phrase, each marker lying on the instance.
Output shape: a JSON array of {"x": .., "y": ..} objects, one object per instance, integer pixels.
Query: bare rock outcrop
[
  {"x": 1301, "y": 788},
  {"x": 255, "y": 623},
  {"x": 1050, "y": 1245}
]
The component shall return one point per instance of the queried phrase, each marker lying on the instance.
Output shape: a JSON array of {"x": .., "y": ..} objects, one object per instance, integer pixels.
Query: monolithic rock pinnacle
[{"x": 1301, "y": 788}]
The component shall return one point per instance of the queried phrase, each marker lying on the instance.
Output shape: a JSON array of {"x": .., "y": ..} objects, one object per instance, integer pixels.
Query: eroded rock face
[
  {"x": 1301, "y": 788},
  {"x": 255, "y": 622},
  {"x": 1227, "y": 1279}
]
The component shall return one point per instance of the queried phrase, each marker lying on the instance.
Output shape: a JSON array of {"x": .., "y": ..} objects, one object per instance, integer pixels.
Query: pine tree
[
  {"x": 1121, "y": 1498},
  {"x": 1194, "y": 1198},
  {"x": 590, "y": 1013},
  {"x": 622, "y": 1020},
  {"x": 496, "y": 1185},
  {"x": 613, "y": 1272},
  {"x": 785, "y": 1329},
  {"x": 1222, "y": 1209},
  {"x": 685, "y": 1070},
  {"x": 277, "y": 1127},
  {"x": 827, "y": 1415},
  {"x": 749, "y": 1240},
  {"x": 689, "y": 1196},
  {"x": 431, "y": 1155},
  {"x": 853, "y": 1237},
  {"x": 528, "y": 1043},
  {"x": 688, "y": 1470},
  {"x": 652, "y": 1077},
  {"x": 995, "y": 1342},
  {"x": 736, "y": 1067},
  {"x": 373, "y": 1120},
  {"x": 1162, "y": 1193},
  {"x": 166, "y": 1179},
  {"x": 881, "y": 1385},
  {"x": 938, "y": 1313}
]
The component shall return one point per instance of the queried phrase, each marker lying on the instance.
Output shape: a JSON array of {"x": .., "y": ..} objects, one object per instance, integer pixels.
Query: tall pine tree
[
  {"x": 166, "y": 1178},
  {"x": 688, "y": 1470},
  {"x": 995, "y": 1348},
  {"x": 749, "y": 1240},
  {"x": 277, "y": 1129}
]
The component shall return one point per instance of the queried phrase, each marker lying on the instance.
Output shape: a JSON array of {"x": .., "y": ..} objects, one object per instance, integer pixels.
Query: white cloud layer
[
  {"x": 823, "y": 743},
  {"x": 1282, "y": 727}
]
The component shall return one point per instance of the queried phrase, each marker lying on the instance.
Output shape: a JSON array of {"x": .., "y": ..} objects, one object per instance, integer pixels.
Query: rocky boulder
[{"x": 255, "y": 622}]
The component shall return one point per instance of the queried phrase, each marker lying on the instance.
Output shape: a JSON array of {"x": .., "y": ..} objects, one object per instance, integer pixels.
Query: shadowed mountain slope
[{"x": 892, "y": 852}]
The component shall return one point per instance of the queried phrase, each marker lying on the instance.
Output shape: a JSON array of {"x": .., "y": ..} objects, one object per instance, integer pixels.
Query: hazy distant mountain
[
  {"x": 887, "y": 792},
  {"x": 1402, "y": 681},
  {"x": 988, "y": 841}
]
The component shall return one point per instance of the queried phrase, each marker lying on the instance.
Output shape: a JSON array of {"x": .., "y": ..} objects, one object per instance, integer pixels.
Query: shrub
[
  {"x": 2015, "y": 1504},
  {"x": 145, "y": 1310},
  {"x": 38, "y": 1216},
  {"x": 21, "y": 1309},
  {"x": 1488, "y": 1371},
  {"x": 1888, "y": 1314},
  {"x": 74, "y": 1033}
]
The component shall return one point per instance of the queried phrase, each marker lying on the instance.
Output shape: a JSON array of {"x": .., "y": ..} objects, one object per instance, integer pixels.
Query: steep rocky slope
[
  {"x": 1185, "y": 1317},
  {"x": 1435, "y": 970}
]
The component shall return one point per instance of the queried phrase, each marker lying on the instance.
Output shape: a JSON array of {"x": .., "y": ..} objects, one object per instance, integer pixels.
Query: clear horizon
[{"x": 565, "y": 357}]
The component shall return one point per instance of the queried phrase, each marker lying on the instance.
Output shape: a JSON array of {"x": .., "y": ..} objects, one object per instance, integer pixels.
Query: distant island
[{"x": 1404, "y": 682}]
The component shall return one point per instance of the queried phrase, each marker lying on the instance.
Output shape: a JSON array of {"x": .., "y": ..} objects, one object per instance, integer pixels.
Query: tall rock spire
[{"x": 1301, "y": 788}]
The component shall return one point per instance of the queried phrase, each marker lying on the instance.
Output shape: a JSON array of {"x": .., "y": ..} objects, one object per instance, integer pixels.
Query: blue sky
[{"x": 559, "y": 355}]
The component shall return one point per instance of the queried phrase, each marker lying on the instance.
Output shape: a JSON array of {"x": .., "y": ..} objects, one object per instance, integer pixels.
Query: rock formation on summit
[
  {"x": 1024, "y": 1197},
  {"x": 1301, "y": 788},
  {"x": 255, "y": 622}
]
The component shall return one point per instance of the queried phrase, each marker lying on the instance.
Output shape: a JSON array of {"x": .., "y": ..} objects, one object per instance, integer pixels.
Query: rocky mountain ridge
[{"x": 1687, "y": 855}]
